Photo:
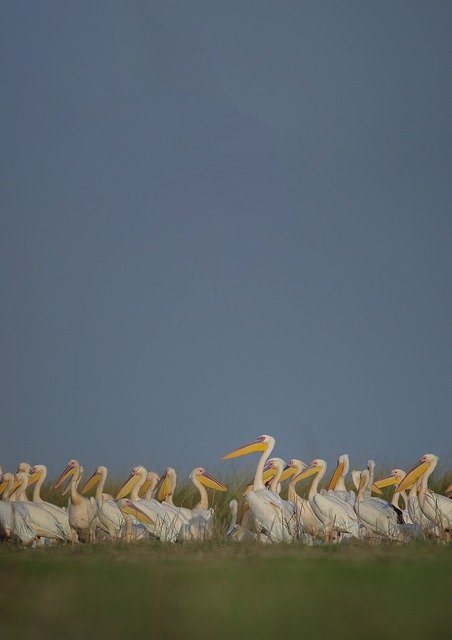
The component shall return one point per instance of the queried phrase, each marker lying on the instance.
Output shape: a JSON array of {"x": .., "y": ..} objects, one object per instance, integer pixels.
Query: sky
[{"x": 225, "y": 219}]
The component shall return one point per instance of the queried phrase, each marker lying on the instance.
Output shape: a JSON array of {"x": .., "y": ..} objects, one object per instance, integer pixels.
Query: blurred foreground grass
[{"x": 222, "y": 589}]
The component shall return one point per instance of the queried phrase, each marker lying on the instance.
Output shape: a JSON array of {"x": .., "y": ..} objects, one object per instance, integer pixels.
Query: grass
[{"x": 221, "y": 589}]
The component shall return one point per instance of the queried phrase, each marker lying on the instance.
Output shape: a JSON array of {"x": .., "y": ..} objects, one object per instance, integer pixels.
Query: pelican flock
[{"x": 266, "y": 511}]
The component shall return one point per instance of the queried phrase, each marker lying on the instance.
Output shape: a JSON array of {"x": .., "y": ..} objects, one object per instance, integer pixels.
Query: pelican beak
[
  {"x": 15, "y": 486},
  {"x": 34, "y": 477},
  {"x": 144, "y": 488},
  {"x": 287, "y": 473},
  {"x": 163, "y": 487},
  {"x": 127, "y": 488},
  {"x": 268, "y": 475},
  {"x": 309, "y": 471},
  {"x": 95, "y": 478},
  {"x": 256, "y": 445},
  {"x": 335, "y": 478},
  {"x": 376, "y": 489},
  {"x": 132, "y": 510},
  {"x": 3, "y": 486},
  {"x": 209, "y": 481},
  {"x": 413, "y": 474},
  {"x": 67, "y": 473},
  {"x": 387, "y": 481}
]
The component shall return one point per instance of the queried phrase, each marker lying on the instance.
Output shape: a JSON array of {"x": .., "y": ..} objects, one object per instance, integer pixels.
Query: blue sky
[{"x": 220, "y": 220}]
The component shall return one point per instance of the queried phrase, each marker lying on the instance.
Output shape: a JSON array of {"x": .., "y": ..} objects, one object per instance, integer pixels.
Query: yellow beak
[
  {"x": 3, "y": 486},
  {"x": 335, "y": 477},
  {"x": 209, "y": 481},
  {"x": 132, "y": 510},
  {"x": 95, "y": 478},
  {"x": 163, "y": 488},
  {"x": 144, "y": 488},
  {"x": 309, "y": 471},
  {"x": 33, "y": 478},
  {"x": 387, "y": 481},
  {"x": 412, "y": 475},
  {"x": 67, "y": 473},
  {"x": 127, "y": 488},
  {"x": 252, "y": 447},
  {"x": 287, "y": 473},
  {"x": 376, "y": 490}
]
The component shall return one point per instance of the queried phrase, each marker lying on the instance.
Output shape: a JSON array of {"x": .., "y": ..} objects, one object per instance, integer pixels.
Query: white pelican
[
  {"x": 378, "y": 516},
  {"x": 6, "y": 489},
  {"x": 334, "y": 513},
  {"x": 166, "y": 487},
  {"x": 109, "y": 513},
  {"x": 34, "y": 520},
  {"x": 267, "y": 508},
  {"x": 308, "y": 522},
  {"x": 37, "y": 476},
  {"x": 167, "y": 523},
  {"x": 337, "y": 482},
  {"x": 394, "y": 478},
  {"x": 437, "y": 508},
  {"x": 201, "y": 521},
  {"x": 81, "y": 510}
]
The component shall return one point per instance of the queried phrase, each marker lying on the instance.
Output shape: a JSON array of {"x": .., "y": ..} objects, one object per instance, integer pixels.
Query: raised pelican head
[
  {"x": 262, "y": 443},
  {"x": 72, "y": 467}
]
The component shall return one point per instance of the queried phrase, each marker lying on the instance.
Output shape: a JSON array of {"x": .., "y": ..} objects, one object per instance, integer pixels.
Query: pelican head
[
  {"x": 71, "y": 468},
  {"x": 99, "y": 473},
  {"x": 262, "y": 443},
  {"x": 136, "y": 474},
  {"x": 316, "y": 466},
  {"x": 395, "y": 477},
  {"x": 291, "y": 469},
  {"x": 23, "y": 467},
  {"x": 7, "y": 481},
  {"x": 426, "y": 464},
  {"x": 37, "y": 472},
  {"x": 131, "y": 509},
  {"x": 200, "y": 474}
]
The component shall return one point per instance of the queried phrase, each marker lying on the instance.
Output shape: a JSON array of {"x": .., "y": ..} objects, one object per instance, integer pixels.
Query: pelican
[
  {"x": 334, "y": 513},
  {"x": 201, "y": 521},
  {"x": 308, "y": 522},
  {"x": 337, "y": 483},
  {"x": 267, "y": 508},
  {"x": 166, "y": 487},
  {"x": 37, "y": 476},
  {"x": 81, "y": 510},
  {"x": 167, "y": 523},
  {"x": 34, "y": 520},
  {"x": 437, "y": 508},
  {"x": 394, "y": 478},
  {"x": 108, "y": 512},
  {"x": 6, "y": 489},
  {"x": 378, "y": 516}
]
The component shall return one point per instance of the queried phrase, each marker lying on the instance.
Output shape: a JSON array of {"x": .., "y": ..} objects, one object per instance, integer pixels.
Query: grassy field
[{"x": 226, "y": 590}]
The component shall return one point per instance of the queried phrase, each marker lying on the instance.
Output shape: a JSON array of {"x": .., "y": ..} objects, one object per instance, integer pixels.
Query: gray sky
[{"x": 225, "y": 219}]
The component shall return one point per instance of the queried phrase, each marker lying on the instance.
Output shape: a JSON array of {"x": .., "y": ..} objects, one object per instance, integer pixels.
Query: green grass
[{"x": 223, "y": 589}]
